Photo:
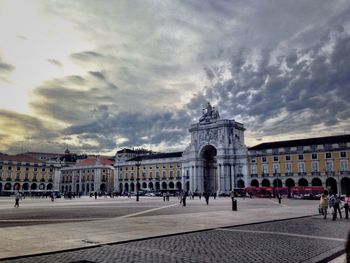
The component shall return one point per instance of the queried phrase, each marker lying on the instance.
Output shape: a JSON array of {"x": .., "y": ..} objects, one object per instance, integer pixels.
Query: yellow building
[
  {"x": 320, "y": 161},
  {"x": 95, "y": 173},
  {"x": 158, "y": 172},
  {"x": 27, "y": 174}
]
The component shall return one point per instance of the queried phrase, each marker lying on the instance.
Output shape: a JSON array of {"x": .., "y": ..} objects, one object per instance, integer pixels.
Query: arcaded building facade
[{"x": 320, "y": 161}]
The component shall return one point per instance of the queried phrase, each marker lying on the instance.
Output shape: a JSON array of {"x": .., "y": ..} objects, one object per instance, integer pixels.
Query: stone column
[
  {"x": 218, "y": 179},
  {"x": 233, "y": 183},
  {"x": 116, "y": 179},
  {"x": 183, "y": 177}
]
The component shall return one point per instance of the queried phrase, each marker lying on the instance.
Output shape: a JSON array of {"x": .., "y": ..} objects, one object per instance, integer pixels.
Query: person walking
[
  {"x": 184, "y": 199},
  {"x": 17, "y": 197},
  {"x": 167, "y": 196},
  {"x": 337, "y": 204},
  {"x": 206, "y": 196},
  {"x": 331, "y": 203},
  {"x": 164, "y": 196},
  {"x": 347, "y": 205},
  {"x": 323, "y": 205},
  {"x": 95, "y": 195}
]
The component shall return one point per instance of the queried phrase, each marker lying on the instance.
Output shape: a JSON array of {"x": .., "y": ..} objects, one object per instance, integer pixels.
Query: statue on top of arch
[{"x": 209, "y": 114}]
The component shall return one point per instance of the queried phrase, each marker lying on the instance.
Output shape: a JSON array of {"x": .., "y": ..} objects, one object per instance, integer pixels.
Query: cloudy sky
[{"x": 101, "y": 75}]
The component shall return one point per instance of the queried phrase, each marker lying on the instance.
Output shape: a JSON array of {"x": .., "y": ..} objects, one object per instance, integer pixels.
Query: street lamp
[{"x": 138, "y": 163}]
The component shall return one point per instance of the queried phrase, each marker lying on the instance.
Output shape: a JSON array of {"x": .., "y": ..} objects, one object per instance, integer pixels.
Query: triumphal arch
[{"x": 216, "y": 159}]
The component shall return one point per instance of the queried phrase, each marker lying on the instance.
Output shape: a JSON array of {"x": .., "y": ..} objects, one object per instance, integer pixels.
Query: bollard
[{"x": 234, "y": 205}]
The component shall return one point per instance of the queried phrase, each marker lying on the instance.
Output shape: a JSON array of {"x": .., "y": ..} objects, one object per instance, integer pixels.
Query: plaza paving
[{"x": 295, "y": 240}]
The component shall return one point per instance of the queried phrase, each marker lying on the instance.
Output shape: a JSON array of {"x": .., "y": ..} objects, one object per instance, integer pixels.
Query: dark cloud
[
  {"x": 5, "y": 67},
  {"x": 304, "y": 92},
  {"x": 54, "y": 62},
  {"x": 86, "y": 56}
]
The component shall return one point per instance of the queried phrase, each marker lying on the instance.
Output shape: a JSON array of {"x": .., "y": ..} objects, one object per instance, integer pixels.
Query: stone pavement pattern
[{"x": 234, "y": 244}]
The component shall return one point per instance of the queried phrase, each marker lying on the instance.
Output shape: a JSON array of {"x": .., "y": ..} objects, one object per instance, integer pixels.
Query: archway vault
[{"x": 207, "y": 182}]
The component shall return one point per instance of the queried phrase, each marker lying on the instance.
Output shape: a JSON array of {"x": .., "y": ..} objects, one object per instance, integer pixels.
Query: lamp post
[{"x": 137, "y": 180}]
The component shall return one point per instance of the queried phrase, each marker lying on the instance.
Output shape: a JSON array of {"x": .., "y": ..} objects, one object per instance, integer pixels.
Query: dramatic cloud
[{"x": 137, "y": 73}]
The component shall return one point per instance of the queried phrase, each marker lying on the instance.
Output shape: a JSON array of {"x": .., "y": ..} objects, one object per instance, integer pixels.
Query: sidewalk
[{"x": 46, "y": 238}]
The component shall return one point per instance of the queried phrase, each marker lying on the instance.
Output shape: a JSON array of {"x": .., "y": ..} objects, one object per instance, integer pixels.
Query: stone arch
[
  {"x": 49, "y": 187},
  {"x": 265, "y": 183},
  {"x": 345, "y": 185},
  {"x": 331, "y": 185},
  {"x": 103, "y": 187},
  {"x": 126, "y": 187},
  {"x": 144, "y": 185},
  {"x": 33, "y": 186},
  {"x": 157, "y": 186},
  {"x": 25, "y": 187},
  {"x": 277, "y": 183},
  {"x": 150, "y": 185},
  {"x": 240, "y": 183},
  {"x": 316, "y": 182},
  {"x": 121, "y": 187},
  {"x": 179, "y": 186},
  {"x": 7, "y": 187},
  {"x": 171, "y": 185},
  {"x": 42, "y": 186},
  {"x": 290, "y": 182},
  {"x": 164, "y": 186},
  {"x": 303, "y": 182},
  {"x": 16, "y": 186},
  {"x": 254, "y": 183},
  {"x": 132, "y": 187}
]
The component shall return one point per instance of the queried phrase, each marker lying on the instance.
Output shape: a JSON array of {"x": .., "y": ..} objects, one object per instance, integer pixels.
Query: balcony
[
  {"x": 171, "y": 178},
  {"x": 302, "y": 174},
  {"x": 288, "y": 174},
  {"x": 264, "y": 175},
  {"x": 150, "y": 179},
  {"x": 163, "y": 178},
  {"x": 276, "y": 174},
  {"x": 240, "y": 175},
  {"x": 253, "y": 175},
  {"x": 315, "y": 173},
  {"x": 178, "y": 177},
  {"x": 157, "y": 178},
  {"x": 344, "y": 172}
]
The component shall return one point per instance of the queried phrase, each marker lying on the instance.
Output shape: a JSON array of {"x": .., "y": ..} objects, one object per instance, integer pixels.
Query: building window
[
  {"x": 150, "y": 174},
  {"x": 329, "y": 166},
  {"x": 263, "y": 159},
  {"x": 18, "y": 168},
  {"x": 287, "y": 157},
  {"x": 178, "y": 173},
  {"x": 254, "y": 169},
  {"x": 275, "y": 158},
  {"x": 171, "y": 174},
  {"x": 301, "y": 157},
  {"x": 314, "y": 156},
  {"x": 164, "y": 174},
  {"x": 301, "y": 168},
  {"x": 343, "y": 154},
  {"x": 315, "y": 167},
  {"x": 343, "y": 166},
  {"x": 157, "y": 174},
  {"x": 253, "y": 160},
  {"x": 144, "y": 174},
  {"x": 264, "y": 169},
  {"x": 150, "y": 167},
  {"x": 276, "y": 168},
  {"x": 288, "y": 168},
  {"x": 43, "y": 170},
  {"x": 328, "y": 155}
]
